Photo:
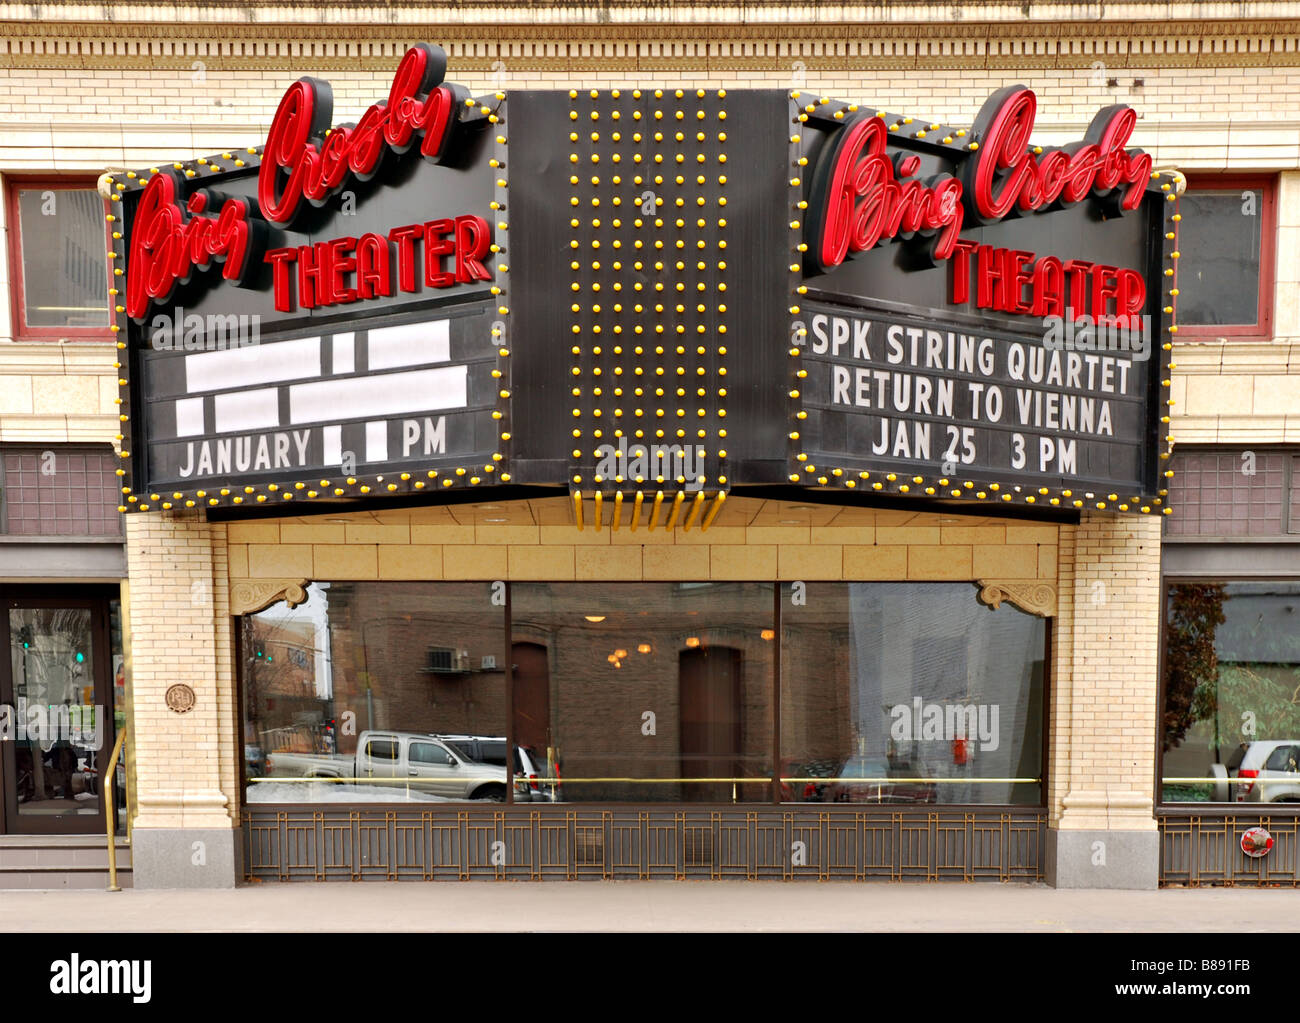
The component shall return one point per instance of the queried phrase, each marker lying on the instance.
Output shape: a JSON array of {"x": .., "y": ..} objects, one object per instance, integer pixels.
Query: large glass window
[
  {"x": 1225, "y": 271},
  {"x": 909, "y": 693},
  {"x": 1232, "y": 692},
  {"x": 60, "y": 256},
  {"x": 646, "y": 691},
  {"x": 349, "y": 696}
]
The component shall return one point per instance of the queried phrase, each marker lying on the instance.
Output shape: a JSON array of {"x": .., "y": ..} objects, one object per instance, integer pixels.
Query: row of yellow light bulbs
[
  {"x": 658, "y": 414},
  {"x": 637, "y": 93},
  {"x": 618, "y": 413},
  {"x": 658, "y": 136},
  {"x": 659, "y": 328},
  {"x": 679, "y": 222},
  {"x": 638, "y": 392},
  {"x": 697, "y": 505},
  {"x": 637, "y": 115},
  {"x": 638, "y": 243},
  {"x": 680, "y": 349},
  {"x": 950, "y": 137},
  {"x": 208, "y": 162},
  {"x": 849, "y": 481},
  {"x": 637, "y": 480},
  {"x": 660, "y": 433},
  {"x": 680, "y": 158},
  {"x": 679, "y": 308},
  {"x": 680, "y": 202},
  {"x": 617, "y": 307},
  {"x": 595, "y": 286},
  {"x": 287, "y": 494}
]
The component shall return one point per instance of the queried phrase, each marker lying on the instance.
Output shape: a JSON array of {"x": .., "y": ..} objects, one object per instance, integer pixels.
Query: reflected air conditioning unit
[{"x": 446, "y": 661}]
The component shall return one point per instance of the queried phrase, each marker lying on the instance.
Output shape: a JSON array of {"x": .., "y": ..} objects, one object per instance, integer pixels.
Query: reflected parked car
[
  {"x": 1278, "y": 780},
  {"x": 865, "y": 778},
  {"x": 532, "y": 784},
  {"x": 1269, "y": 770},
  {"x": 421, "y": 760}
]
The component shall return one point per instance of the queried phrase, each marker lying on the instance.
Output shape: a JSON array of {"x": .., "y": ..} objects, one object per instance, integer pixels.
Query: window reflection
[
  {"x": 1231, "y": 722},
  {"x": 376, "y": 692},
  {"x": 892, "y": 693},
  {"x": 57, "y": 724},
  {"x": 909, "y": 694},
  {"x": 646, "y": 691}
]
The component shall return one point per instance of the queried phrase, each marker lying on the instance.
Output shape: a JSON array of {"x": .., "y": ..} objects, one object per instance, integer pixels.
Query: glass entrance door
[{"x": 56, "y": 690}]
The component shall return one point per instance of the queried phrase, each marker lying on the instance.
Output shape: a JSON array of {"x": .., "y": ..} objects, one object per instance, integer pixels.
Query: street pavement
[{"x": 634, "y": 906}]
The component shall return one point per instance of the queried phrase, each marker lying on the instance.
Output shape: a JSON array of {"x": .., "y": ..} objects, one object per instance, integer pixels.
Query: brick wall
[
  {"x": 1102, "y": 741},
  {"x": 186, "y": 763}
]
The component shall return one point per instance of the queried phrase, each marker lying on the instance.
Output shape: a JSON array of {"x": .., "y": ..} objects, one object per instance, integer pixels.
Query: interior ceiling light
[
  {"x": 594, "y": 619},
  {"x": 692, "y": 641}
]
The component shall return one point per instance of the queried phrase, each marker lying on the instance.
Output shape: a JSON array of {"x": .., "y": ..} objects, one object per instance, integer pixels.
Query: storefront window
[
  {"x": 909, "y": 693},
  {"x": 648, "y": 692},
  {"x": 898, "y": 693},
  {"x": 1232, "y": 693},
  {"x": 377, "y": 692}
]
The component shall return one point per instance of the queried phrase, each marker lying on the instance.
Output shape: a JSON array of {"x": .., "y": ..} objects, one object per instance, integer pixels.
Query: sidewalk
[{"x": 652, "y": 906}]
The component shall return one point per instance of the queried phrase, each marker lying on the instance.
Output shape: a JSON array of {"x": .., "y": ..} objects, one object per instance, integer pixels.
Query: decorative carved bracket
[
  {"x": 1038, "y": 598},
  {"x": 250, "y": 595}
]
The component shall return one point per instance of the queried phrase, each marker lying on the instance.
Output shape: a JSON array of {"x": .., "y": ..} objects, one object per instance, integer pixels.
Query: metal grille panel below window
[
  {"x": 1205, "y": 850},
  {"x": 310, "y": 844}
]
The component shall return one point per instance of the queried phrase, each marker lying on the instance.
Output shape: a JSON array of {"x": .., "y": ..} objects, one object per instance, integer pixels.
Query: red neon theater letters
[{"x": 862, "y": 196}]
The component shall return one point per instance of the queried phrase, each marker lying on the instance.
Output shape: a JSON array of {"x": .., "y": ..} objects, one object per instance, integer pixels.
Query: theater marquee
[{"x": 649, "y": 293}]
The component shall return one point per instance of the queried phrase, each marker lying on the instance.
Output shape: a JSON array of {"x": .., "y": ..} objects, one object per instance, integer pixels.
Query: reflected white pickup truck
[{"x": 418, "y": 759}]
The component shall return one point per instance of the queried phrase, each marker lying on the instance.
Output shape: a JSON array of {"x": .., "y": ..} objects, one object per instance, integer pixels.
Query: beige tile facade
[{"x": 1218, "y": 87}]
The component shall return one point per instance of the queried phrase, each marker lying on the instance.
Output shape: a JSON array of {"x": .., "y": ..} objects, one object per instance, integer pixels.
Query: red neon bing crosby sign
[
  {"x": 863, "y": 197},
  {"x": 304, "y": 158}
]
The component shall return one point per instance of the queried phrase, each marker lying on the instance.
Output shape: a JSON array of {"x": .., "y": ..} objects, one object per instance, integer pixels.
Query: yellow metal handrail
[{"x": 108, "y": 783}]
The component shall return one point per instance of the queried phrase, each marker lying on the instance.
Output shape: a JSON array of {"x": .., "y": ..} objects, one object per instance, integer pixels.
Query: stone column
[
  {"x": 1102, "y": 748},
  {"x": 184, "y": 723}
]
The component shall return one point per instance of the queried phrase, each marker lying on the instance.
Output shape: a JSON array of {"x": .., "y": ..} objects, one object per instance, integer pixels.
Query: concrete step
[{"x": 61, "y": 862}]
